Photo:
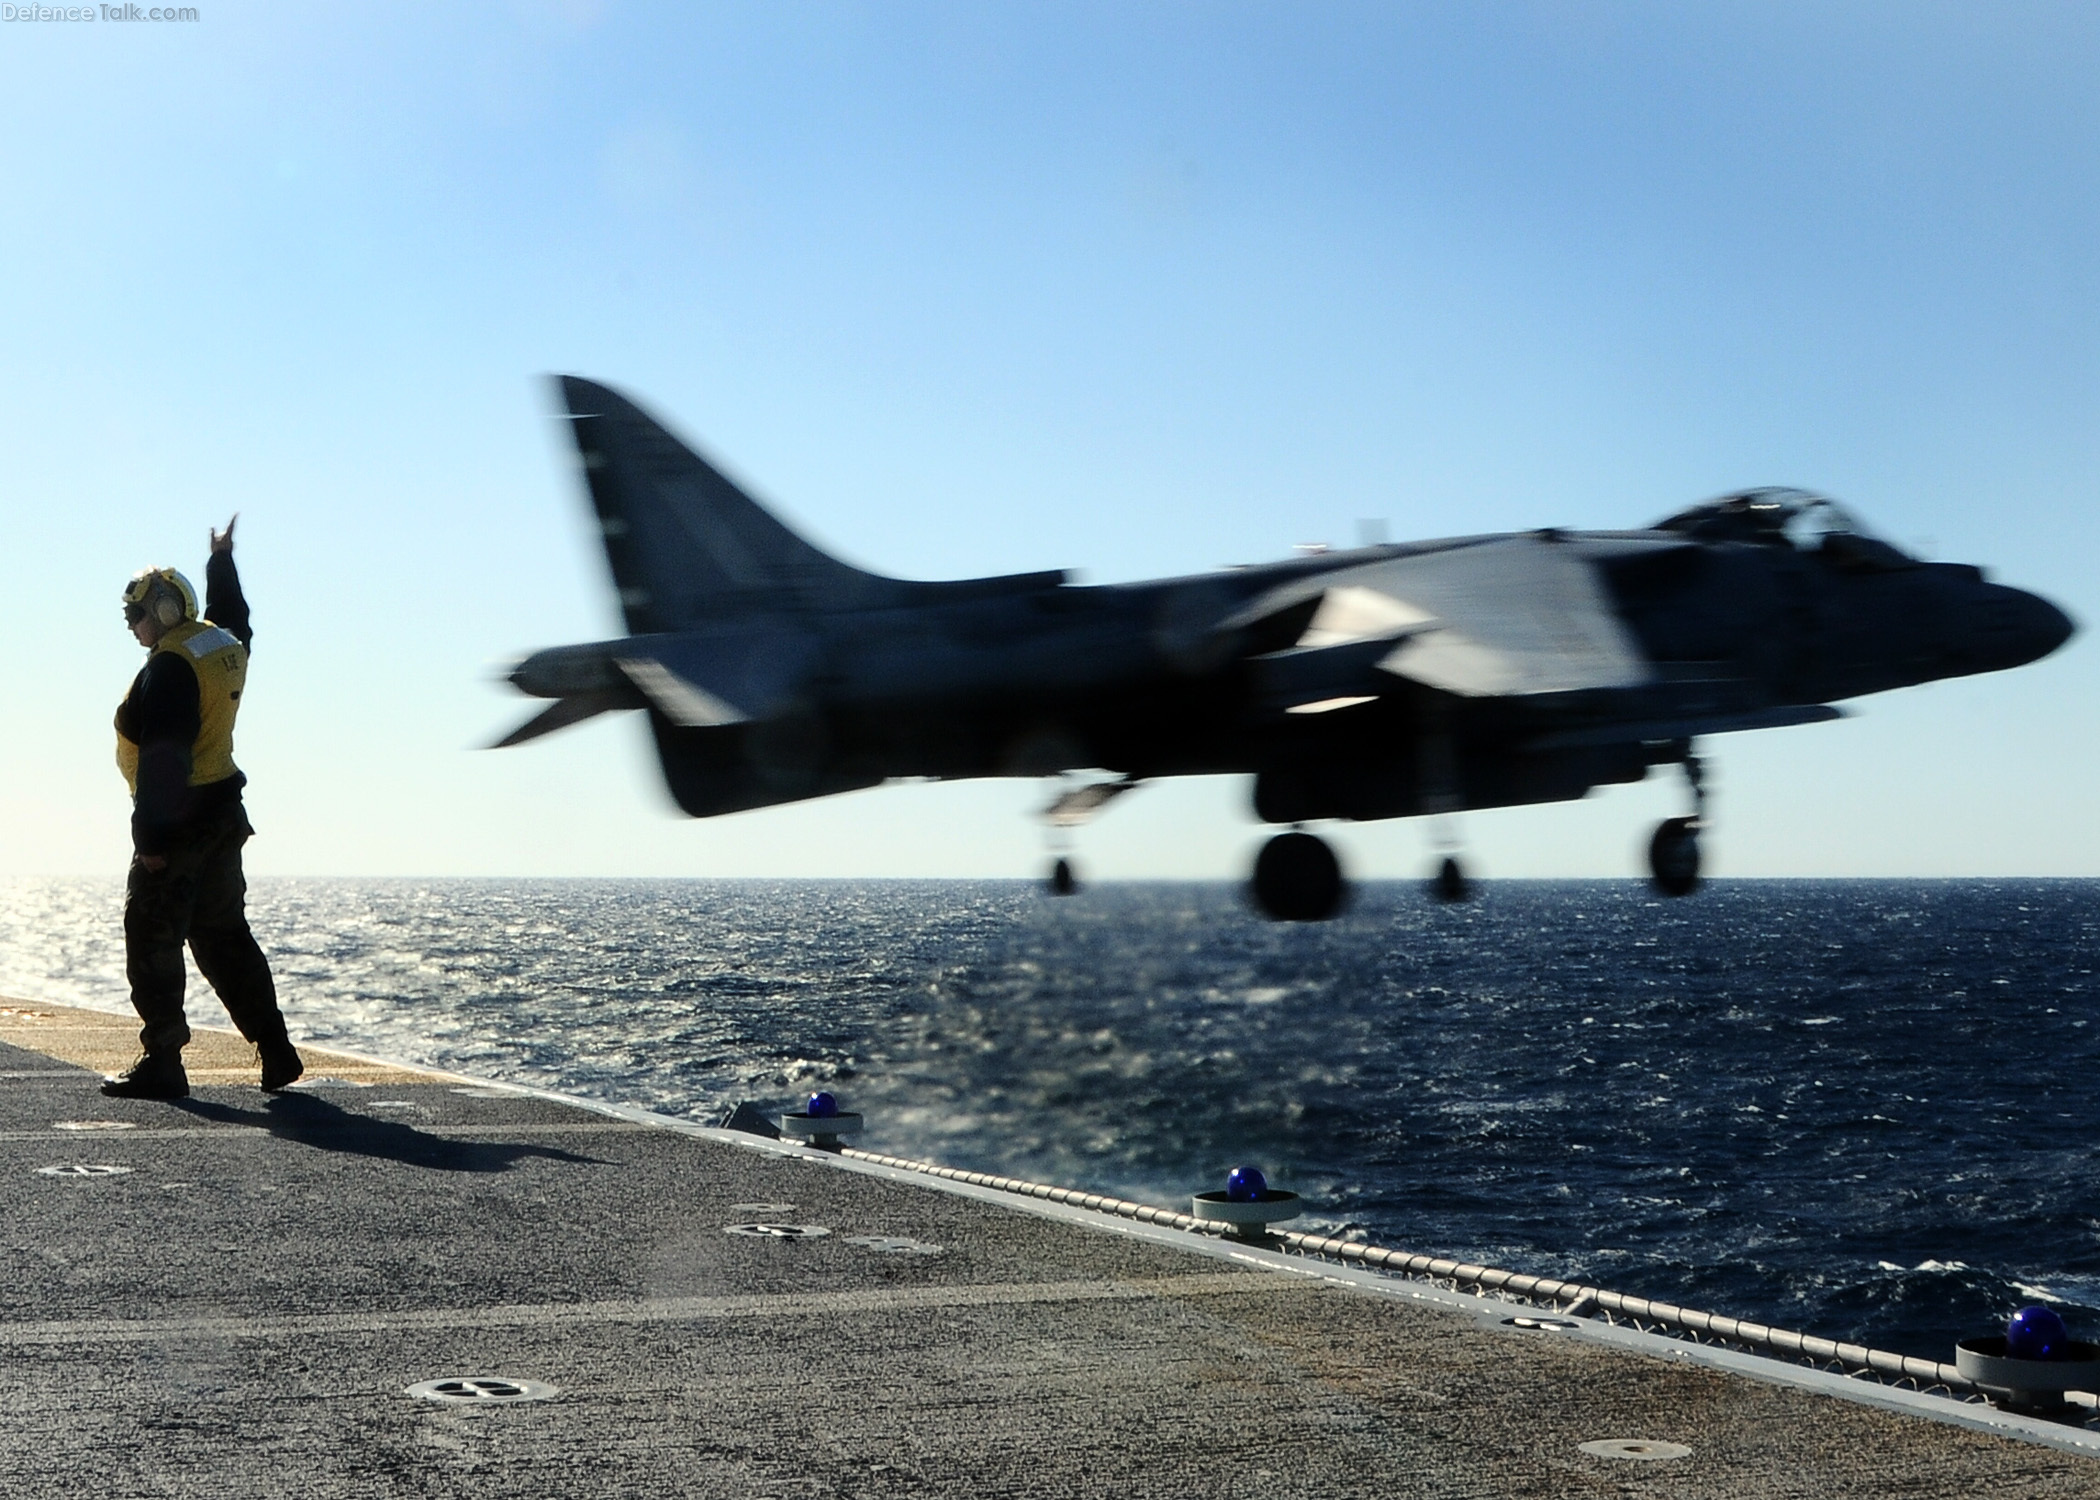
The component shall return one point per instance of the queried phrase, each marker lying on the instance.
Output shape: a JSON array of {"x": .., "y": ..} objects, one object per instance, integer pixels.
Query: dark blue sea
[{"x": 1865, "y": 1109}]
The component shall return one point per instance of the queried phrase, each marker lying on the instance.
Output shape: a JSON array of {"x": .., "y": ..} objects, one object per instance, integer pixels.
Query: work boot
[
  {"x": 157, "y": 1075},
  {"x": 281, "y": 1066}
]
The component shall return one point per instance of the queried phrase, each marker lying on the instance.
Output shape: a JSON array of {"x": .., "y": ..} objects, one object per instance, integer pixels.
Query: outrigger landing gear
[
  {"x": 1673, "y": 854},
  {"x": 1075, "y": 803},
  {"x": 1440, "y": 796},
  {"x": 1298, "y": 879},
  {"x": 1449, "y": 884}
]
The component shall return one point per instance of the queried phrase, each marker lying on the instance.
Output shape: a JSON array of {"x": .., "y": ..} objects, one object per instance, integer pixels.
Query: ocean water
[{"x": 1865, "y": 1109}]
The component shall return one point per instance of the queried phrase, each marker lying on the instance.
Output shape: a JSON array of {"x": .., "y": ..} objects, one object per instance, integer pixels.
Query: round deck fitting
[
  {"x": 892, "y": 1244},
  {"x": 1248, "y": 1218},
  {"x": 820, "y": 1130},
  {"x": 82, "y": 1169},
  {"x": 479, "y": 1390},
  {"x": 1532, "y": 1324},
  {"x": 1646, "y": 1449},
  {"x": 777, "y": 1231}
]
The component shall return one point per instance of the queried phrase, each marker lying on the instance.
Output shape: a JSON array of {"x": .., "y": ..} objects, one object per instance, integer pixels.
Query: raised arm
[{"x": 224, "y": 604}]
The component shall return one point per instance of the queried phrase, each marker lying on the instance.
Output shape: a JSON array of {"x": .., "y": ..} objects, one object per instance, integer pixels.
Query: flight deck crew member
[{"x": 175, "y": 748}]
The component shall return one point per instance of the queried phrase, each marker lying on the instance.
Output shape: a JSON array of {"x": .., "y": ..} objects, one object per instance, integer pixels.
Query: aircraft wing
[
  {"x": 1513, "y": 616},
  {"x": 1519, "y": 617}
]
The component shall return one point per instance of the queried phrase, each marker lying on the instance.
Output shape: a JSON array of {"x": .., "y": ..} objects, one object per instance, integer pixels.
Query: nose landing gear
[
  {"x": 1673, "y": 854},
  {"x": 1298, "y": 879}
]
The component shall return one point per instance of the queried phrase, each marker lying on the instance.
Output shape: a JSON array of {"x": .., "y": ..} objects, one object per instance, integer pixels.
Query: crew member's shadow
[{"x": 313, "y": 1121}]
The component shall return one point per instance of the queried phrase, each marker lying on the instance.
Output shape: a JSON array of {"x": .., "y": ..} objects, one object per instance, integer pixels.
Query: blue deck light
[
  {"x": 823, "y": 1105},
  {"x": 2037, "y": 1333},
  {"x": 1245, "y": 1185}
]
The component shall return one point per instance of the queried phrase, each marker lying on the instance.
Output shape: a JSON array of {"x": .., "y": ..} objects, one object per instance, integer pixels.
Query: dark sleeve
[
  {"x": 224, "y": 604},
  {"x": 165, "y": 716}
]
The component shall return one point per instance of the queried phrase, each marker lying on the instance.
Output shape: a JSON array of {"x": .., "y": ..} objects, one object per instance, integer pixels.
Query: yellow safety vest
[{"x": 221, "y": 664}]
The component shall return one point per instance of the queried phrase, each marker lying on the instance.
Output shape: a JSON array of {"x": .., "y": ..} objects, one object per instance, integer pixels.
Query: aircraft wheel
[
  {"x": 1298, "y": 879},
  {"x": 1062, "y": 881},
  {"x": 1450, "y": 883},
  {"x": 1673, "y": 856}
]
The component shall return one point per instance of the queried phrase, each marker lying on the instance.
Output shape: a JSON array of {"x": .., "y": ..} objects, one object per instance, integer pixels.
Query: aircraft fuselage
[{"x": 1381, "y": 682}]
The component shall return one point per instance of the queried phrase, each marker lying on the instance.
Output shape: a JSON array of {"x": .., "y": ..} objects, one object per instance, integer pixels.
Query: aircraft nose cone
[{"x": 2029, "y": 627}]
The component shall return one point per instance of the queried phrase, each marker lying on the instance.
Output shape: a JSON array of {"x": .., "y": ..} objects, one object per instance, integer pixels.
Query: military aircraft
[{"x": 1384, "y": 681}]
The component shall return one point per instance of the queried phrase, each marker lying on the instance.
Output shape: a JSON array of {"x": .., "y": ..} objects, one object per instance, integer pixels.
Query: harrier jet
[{"x": 1386, "y": 681}]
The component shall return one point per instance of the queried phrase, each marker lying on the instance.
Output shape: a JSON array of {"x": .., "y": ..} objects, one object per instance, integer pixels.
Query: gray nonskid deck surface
[{"x": 239, "y": 1314}]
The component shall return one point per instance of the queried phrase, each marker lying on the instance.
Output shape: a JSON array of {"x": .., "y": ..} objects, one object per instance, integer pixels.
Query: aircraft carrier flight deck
[{"x": 400, "y": 1283}]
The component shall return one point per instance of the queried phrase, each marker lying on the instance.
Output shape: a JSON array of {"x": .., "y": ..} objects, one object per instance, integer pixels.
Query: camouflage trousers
[{"x": 200, "y": 898}]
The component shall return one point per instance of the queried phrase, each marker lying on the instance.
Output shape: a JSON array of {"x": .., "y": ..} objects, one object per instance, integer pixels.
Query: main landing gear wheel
[
  {"x": 1449, "y": 884},
  {"x": 1062, "y": 881},
  {"x": 1673, "y": 856},
  {"x": 1298, "y": 879}
]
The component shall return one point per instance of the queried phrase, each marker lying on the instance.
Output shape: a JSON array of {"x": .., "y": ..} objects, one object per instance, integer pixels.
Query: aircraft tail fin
[{"x": 685, "y": 543}]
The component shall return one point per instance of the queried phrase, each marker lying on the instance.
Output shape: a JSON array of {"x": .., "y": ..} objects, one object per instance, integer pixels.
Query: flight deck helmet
[{"x": 161, "y": 594}]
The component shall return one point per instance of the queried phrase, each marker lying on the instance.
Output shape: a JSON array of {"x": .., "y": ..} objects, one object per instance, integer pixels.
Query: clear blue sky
[{"x": 970, "y": 288}]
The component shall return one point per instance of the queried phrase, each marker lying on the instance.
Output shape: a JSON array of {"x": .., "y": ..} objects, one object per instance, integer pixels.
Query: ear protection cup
[{"x": 163, "y": 594}]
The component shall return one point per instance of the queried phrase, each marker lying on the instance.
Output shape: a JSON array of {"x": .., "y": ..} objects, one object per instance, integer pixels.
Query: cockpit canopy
[{"x": 1798, "y": 519}]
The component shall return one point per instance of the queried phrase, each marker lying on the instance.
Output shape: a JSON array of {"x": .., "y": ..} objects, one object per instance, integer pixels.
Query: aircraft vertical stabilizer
[{"x": 685, "y": 543}]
